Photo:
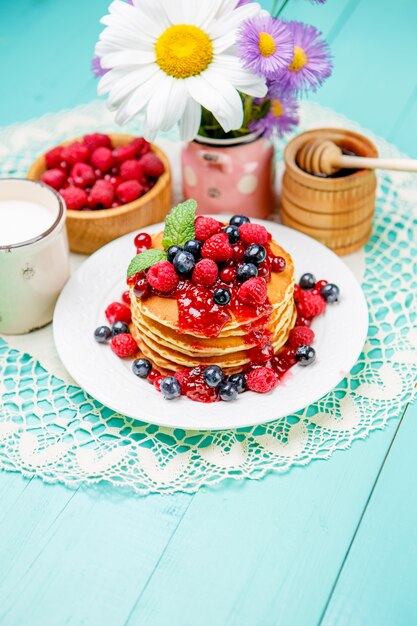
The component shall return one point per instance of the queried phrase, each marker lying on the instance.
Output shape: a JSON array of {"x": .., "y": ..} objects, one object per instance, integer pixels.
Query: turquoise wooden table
[{"x": 332, "y": 543}]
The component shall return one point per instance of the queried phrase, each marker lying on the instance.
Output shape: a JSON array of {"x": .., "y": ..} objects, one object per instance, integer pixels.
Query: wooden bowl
[
  {"x": 338, "y": 211},
  {"x": 90, "y": 230}
]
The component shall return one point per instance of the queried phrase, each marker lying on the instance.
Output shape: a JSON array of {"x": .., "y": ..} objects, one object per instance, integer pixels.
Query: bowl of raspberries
[{"x": 112, "y": 184}]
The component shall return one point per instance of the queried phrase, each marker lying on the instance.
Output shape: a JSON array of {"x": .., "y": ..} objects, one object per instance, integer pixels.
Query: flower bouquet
[{"x": 227, "y": 71}]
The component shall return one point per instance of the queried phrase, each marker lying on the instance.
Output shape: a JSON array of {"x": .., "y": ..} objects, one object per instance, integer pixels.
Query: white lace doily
[{"x": 50, "y": 428}]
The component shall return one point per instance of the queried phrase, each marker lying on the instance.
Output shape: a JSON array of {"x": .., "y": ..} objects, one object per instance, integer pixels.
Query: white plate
[{"x": 340, "y": 336}]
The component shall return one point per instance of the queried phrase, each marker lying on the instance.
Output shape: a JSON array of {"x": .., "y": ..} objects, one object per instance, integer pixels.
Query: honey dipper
[{"x": 323, "y": 157}]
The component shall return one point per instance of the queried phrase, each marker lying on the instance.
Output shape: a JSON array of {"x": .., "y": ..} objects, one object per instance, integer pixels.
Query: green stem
[
  {"x": 284, "y": 4},
  {"x": 274, "y": 7}
]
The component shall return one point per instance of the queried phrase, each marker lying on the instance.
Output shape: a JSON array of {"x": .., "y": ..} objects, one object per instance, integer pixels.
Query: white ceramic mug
[{"x": 34, "y": 256}]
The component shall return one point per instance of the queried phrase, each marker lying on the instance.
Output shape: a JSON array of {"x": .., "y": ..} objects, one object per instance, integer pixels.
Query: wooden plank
[
  {"x": 378, "y": 582},
  {"x": 263, "y": 552},
  {"x": 78, "y": 557}
]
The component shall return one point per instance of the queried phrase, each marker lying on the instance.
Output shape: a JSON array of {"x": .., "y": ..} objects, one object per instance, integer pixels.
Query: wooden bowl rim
[
  {"x": 317, "y": 182},
  {"x": 161, "y": 183}
]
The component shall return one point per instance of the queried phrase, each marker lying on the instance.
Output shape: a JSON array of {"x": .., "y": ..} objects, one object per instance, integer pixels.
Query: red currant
[
  {"x": 238, "y": 251},
  {"x": 142, "y": 288},
  {"x": 278, "y": 264},
  {"x": 153, "y": 375},
  {"x": 228, "y": 274},
  {"x": 126, "y": 297},
  {"x": 287, "y": 357},
  {"x": 141, "y": 249},
  {"x": 143, "y": 240},
  {"x": 263, "y": 271}
]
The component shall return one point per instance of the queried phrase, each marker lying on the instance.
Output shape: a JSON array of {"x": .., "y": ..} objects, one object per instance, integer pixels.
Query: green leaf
[
  {"x": 179, "y": 224},
  {"x": 145, "y": 259}
]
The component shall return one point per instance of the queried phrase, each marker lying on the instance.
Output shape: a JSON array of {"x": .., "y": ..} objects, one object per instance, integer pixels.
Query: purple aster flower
[
  {"x": 317, "y": 1},
  {"x": 311, "y": 62},
  {"x": 242, "y": 2},
  {"x": 265, "y": 45},
  {"x": 98, "y": 70},
  {"x": 281, "y": 117}
]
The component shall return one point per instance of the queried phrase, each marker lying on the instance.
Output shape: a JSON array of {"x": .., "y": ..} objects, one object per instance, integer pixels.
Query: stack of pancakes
[{"x": 155, "y": 328}]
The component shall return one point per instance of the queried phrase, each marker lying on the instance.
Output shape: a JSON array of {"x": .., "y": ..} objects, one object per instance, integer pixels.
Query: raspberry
[
  {"x": 82, "y": 175},
  {"x": 129, "y": 191},
  {"x": 123, "y": 153},
  {"x": 76, "y": 152},
  {"x": 113, "y": 180},
  {"x": 118, "y": 312},
  {"x": 75, "y": 198},
  {"x": 101, "y": 195},
  {"x": 300, "y": 336},
  {"x": 181, "y": 376},
  {"x": 253, "y": 233},
  {"x": 96, "y": 140},
  {"x": 217, "y": 248},
  {"x": 53, "y": 157},
  {"x": 310, "y": 304},
  {"x": 140, "y": 146},
  {"x": 152, "y": 165},
  {"x": 124, "y": 345},
  {"x": 253, "y": 291},
  {"x": 102, "y": 159},
  {"x": 205, "y": 273},
  {"x": 55, "y": 178},
  {"x": 206, "y": 227},
  {"x": 132, "y": 169},
  {"x": 262, "y": 380},
  {"x": 162, "y": 276}
]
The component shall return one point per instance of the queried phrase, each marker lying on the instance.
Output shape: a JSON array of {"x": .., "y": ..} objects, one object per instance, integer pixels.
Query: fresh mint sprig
[
  {"x": 144, "y": 260},
  {"x": 179, "y": 224}
]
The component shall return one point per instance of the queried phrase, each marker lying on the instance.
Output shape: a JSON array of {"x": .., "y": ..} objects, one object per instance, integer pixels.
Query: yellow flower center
[
  {"x": 276, "y": 108},
  {"x": 183, "y": 51},
  {"x": 267, "y": 45},
  {"x": 299, "y": 59}
]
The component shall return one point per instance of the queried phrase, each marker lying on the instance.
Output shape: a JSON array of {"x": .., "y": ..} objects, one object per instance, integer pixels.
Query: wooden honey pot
[{"x": 337, "y": 210}]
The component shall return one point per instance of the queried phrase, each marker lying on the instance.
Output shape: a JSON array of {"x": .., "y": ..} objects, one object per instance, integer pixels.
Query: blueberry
[
  {"x": 238, "y": 220},
  {"x": 222, "y": 296},
  {"x": 238, "y": 381},
  {"x": 184, "y": 262},
  {"x": 255, "y": 254},
  {"x": 213, "y": 375},
  {"x": 227, "y": 392},
  {"x": 170, "y": 388},
  {"x": 194, "y": 246},
  {"x": 305, "y": 355},
  {"x": 307, "y": 281},
  {"x": 233, "y": 233},
  {"x": 141, "y": 367},
  {"x": 172, "y": 251},
  {"x": 246, "y": 271},
  {"x": 118, "y": 328},
  {"x": 102, "y": 333},
  {"x": 330, "y": 293}
]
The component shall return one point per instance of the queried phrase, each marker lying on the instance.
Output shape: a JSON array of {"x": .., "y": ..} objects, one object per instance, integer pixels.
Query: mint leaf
[
  {"x": 145, "y": 259},
  {"x": 179, "y": 224}
]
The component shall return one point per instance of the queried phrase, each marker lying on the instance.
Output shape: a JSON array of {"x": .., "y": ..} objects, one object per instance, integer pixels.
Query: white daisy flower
[{"x": 168, "y": 58}]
